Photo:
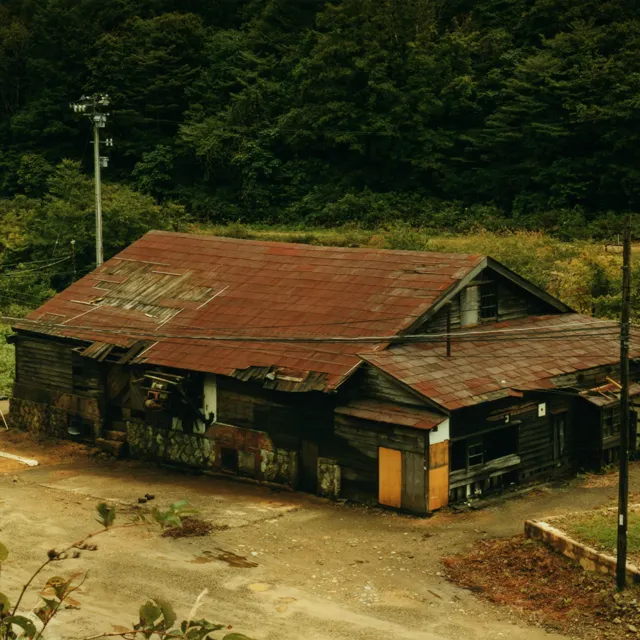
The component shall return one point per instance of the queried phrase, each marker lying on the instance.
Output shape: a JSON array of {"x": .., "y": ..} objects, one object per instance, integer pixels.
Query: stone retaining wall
[
  {"x": 37, "y": 418},
  {"x": 257, "y": 458},
  {"x": 587, "y": 557},
  {"x": 152, "y": 443}
]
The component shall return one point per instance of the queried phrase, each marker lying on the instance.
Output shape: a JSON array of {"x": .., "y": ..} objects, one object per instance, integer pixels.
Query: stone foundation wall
[
  {"x": 50, "y": 412},
  {"x": 329, "y": 478},
  {"x": 256, "y": 456},
  {"x": 152, "y": 443},
  {"x": 38, "y": 418}
]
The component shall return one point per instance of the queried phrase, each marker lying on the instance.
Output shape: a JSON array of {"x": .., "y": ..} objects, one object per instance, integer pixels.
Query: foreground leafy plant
[{"x": 157, "y": 617}]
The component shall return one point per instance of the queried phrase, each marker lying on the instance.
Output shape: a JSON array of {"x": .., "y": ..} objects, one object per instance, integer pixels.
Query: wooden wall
[
  {"x": 43, "y": 363},
  {"x": 371, "y": 383},
  {"x": 534, "y": 441},
  {"x": 513, "y": 302},
  {"x": 356, "y": 450},
  {"x": 286, "y": 417}
]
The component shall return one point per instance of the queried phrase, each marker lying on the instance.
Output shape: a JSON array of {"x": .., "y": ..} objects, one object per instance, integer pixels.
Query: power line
[
  {"x": 19, "y": 272},
  {"x": 29, "y": 262},
  {"x": 393, "y": 339}
]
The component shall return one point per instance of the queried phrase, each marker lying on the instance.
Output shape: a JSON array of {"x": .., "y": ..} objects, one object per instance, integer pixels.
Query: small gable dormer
[{"x": 492, "y": 294}]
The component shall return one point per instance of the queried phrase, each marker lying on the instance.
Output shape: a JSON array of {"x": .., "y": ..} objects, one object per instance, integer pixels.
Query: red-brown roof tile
[
  {"x": 531, "y": 357},
  {"x": 187, "y": 286}
]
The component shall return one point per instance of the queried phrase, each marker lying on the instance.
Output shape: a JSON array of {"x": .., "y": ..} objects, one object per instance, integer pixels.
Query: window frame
[
  {"x": 473, "y": 443},
  {"x": 487, "y": 311},
  {"x": 611, "y": 421}
]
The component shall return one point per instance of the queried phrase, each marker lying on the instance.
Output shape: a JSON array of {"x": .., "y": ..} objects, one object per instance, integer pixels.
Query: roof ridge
[{"x": 313, "y": 247}]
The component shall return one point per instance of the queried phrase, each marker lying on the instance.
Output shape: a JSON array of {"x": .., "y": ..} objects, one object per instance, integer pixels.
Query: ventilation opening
[{"x": 229, "y": 460}]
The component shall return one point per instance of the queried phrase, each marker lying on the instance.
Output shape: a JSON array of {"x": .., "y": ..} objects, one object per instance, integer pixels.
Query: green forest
[
  {"x": 446, "y": 114},
  {"x": 511, "y": 125}
]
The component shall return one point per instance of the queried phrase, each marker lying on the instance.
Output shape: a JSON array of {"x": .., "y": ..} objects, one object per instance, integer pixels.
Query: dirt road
[{"x": 322, "y": 570}]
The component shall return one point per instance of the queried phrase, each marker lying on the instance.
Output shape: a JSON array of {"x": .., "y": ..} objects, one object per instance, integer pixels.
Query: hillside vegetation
[
  {"x": 584, "y": 274},
  {"x": 447, "y": 114}
]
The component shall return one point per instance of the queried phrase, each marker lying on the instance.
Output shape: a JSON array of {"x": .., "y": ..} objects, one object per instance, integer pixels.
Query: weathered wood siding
[
  {"x": 534, "y": 450},
  {"x": 536, "y": 441},
  {"x": 43, "y": 363},
  {"x": 286, "y": 417},
  {"x": 513, "y": 302},
  {"x": 356, "y": 450},
  {"x": 370, "y": 382}
]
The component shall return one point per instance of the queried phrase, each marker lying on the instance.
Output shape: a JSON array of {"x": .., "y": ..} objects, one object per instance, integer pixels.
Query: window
[
  {"x": 611, "y": 421},
  {"x": 488, "y": 301},
  {"x": 475, "y": 452}
]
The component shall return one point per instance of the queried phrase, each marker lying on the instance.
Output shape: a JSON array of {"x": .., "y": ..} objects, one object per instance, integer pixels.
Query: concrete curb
[{"x": 587, "y": 557}]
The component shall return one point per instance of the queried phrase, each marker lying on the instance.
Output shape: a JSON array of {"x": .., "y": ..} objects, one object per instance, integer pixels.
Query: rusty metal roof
[
  {"x": 193, "y": 285},
  {"x": 482, "y": 369},
  {"x": 389, "y": 413},
  {"x": 608, "y": 394}
]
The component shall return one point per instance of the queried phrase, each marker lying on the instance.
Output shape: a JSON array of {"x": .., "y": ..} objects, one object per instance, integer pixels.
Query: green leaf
[
  {"x": 4, "y": 604},
  {"x": 236, "y": 636},
  {"x": 4, "y": 552},
  {"x": 167, "y": 612},
  {"x": 149, "y": 613},
  {"x": 25, "y": 624},
  {"x": 59, "y": 586},
  {"x": 106, "y": 514}
]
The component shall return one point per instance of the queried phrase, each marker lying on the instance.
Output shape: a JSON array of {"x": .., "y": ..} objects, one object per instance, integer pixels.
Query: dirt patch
[
  {"x": 547, "y": 589},
  {"x": 46, "y": 451},
  {"x": 191, "y": 527},
  {"x": 234, "y": 560},
  {"x": 600, "y": 480}
]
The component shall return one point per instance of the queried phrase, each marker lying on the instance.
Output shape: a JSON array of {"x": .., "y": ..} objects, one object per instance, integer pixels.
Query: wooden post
[{"x": 623, "y": 483}]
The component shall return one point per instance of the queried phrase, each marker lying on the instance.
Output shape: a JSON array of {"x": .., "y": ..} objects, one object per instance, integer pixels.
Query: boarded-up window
[{"x": 469, "y": 303}]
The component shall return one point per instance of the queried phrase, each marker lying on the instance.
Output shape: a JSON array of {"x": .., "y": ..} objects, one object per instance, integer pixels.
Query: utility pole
[
  {"x": 93, "y": 107},
  {"x": 623, "y": 483},
  {"x": 74, "y": 274}
]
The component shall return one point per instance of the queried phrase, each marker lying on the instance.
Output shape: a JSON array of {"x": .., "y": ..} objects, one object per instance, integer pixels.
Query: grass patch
[{"x": 599, "y": 529}]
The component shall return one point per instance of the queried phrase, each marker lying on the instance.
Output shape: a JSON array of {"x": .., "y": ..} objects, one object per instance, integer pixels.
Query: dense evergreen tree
[{"x": 520, "y": 111}]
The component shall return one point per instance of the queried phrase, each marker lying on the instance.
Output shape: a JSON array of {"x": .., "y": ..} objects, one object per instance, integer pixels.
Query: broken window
[
  {"x": 489, "y": 301},
  {"x": 229, "y": 460},
  {"x": 611, "y": 421}
]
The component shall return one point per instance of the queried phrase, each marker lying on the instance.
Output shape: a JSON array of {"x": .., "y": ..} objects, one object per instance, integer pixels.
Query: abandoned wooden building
[{"x": 407, "y": 379}]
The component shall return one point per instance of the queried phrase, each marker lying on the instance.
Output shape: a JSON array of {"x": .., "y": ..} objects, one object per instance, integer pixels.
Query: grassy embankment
[{"x": 599, "y": 529}]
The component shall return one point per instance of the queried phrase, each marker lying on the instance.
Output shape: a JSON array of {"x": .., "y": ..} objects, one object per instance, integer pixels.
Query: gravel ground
[{"x": 286, "y": 565}]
